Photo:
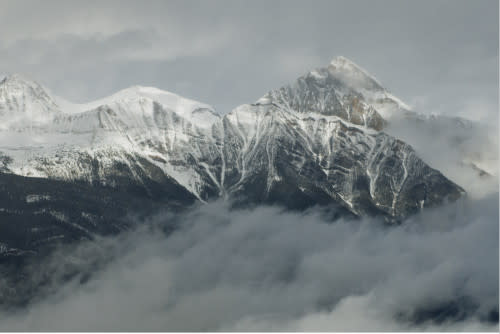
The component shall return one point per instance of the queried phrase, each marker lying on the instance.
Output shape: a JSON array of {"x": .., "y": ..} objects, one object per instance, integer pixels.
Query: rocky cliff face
[{"x": 296, "y": 159}]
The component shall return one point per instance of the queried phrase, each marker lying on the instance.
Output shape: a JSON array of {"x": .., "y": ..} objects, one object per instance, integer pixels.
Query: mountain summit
[
  {"x": 24, "y": 102},
  {"x": 353, "y": 75}
]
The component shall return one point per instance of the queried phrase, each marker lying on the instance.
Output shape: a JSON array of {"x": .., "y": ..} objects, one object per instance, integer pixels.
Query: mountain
[
  {"x": 140, "y": 137},
  {"x": 317, "y": 141}
]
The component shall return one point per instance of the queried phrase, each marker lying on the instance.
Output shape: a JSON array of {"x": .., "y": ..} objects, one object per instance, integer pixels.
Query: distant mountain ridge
[{"x": 316, "y": 141}]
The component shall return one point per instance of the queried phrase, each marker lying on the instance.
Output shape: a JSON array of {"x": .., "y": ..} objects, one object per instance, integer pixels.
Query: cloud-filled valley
[{"x": 269, "y": 269}]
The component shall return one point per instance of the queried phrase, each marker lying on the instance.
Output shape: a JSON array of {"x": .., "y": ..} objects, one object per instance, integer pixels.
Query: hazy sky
[{"x": 441, "y": 56}]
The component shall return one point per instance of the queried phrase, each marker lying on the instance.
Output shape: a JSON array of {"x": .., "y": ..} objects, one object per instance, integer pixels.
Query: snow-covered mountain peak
[
  {"x": 345, "y": 63},
  {"x": 343, "y": 89},
  {"x": 356, "y": 79},
  {"x": 19, "y": 85},
  {"x": 132, "y": 98},
  {"x": 170, "y": 100},
  {"x": 24, "y": 102},
  {"x": 353, "y": 75},
  {"x": 330, "y": 91},
  {"x": 17, "y": 79}
]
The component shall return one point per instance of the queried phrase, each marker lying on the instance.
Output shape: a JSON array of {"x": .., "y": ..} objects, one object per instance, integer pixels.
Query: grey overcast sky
[{"x": 439, "y": 56}]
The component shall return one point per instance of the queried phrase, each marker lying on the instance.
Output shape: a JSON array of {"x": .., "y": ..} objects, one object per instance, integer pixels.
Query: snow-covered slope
[
  {"x": 316, "y": 141},
  {"x": 140, "y": 130}
]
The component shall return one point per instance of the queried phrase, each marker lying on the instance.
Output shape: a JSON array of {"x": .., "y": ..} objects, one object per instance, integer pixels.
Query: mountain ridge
[{"x": 321, "y": 124}]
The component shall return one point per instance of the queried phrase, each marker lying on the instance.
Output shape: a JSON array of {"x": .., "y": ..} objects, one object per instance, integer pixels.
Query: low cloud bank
[
  {"x": 267, "y": 269},
  {"x": 459, "y": 149}
]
